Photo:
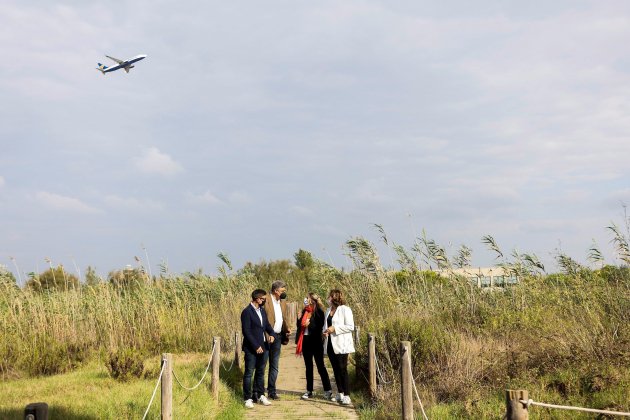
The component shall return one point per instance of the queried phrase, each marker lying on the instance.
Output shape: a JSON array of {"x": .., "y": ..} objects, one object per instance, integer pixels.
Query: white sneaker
[
  {"x": 328, "y": 395},
  {"x": 307, "y": 395},
  {"x": 249, "y": 403},
  {"x": 346, "y": 400},
  {"x": 337, "y": 398},
  {"x": 263, "y": 400}
]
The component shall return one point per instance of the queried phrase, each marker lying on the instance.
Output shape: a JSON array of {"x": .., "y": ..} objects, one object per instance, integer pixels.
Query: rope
[
  {"x": 567, "y": 407},
  {"x": 156, "y": 387},
  {"x": 379, "y": 371},
  {"x": 234, "y": 358},
  {"x": 202, "y": 378},
  {"x": 231, "y": 364},
  {"x": 413, "y": 382}
]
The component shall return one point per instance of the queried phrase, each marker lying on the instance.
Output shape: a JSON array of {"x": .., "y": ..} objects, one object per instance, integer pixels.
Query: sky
[{"x": 258, "y": 128}]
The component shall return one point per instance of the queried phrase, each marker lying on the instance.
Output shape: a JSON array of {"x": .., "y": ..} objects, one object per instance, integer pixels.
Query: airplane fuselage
[{"x": 127, "y": 64}]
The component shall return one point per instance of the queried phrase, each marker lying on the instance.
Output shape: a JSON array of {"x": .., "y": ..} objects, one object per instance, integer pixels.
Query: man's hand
[
  {"x": 330, "y": 330},
  {"x": 259, "y": 350},
  {"x": 271, "y": 339}
]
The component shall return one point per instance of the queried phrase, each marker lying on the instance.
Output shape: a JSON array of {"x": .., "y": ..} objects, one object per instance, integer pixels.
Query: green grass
[{"x": 89, "y": 393}]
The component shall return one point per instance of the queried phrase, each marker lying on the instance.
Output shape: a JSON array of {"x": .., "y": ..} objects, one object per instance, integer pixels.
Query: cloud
[
  {"x": 155, "y": 162},
  {"x": 132, "y": 203},
  {"x": 205, "y": 198},
  {"x": 2, "y": 182},
  {"x": 63, "y": 203},
  {"x": 301, "y": 211},
  {"x": 239, "y": 197}
]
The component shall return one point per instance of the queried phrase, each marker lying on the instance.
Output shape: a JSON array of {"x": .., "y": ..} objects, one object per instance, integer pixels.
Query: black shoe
[{"x": 274, "y": 396}]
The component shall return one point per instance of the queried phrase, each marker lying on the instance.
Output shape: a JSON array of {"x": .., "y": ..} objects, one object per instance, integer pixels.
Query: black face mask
[
  {"x": 283, "y": 295},
  {"x": 261, "y": 304}
]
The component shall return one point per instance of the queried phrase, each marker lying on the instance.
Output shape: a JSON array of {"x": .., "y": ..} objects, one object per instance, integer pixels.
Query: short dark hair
[{"x": 258, "y": 293}]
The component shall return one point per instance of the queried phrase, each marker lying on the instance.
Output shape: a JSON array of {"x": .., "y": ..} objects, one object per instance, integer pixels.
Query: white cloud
[
  {"x": 155, "y": 162},
  {"x": 205, "y": 198},
  {"x": 63, "y": 203},
  {"x": 132, "y": 203},
  {"x": 301, "y": 211},
  {"x": 239, "y": 197}
]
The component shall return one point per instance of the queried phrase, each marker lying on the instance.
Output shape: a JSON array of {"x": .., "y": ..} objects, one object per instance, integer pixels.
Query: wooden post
[
  {"x": 406, "y": 379},
  {"x": 357, "y": 335},
  {"x": 216, "y": 362},
  {"x": 515, "y": 409},
  {"x": 237, "y": 349},
  {"x": 167, "y": 387},
  {"x": 372, "y": 365}
]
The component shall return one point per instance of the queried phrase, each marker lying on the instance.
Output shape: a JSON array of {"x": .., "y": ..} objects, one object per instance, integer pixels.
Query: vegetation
[{"x": 564, "y": 336}]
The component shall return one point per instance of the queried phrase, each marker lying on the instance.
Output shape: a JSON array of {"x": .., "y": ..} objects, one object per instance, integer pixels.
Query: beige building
[{"x": 483, "y": 276}]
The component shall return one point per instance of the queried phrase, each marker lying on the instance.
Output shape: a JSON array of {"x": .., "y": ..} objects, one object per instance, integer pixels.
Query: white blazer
[{"x": 341, "y": 339}]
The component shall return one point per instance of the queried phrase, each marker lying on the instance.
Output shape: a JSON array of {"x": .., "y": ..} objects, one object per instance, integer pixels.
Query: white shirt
[
  {"x": 259, "y": 316},
  {"x": 277, "y": 310}
]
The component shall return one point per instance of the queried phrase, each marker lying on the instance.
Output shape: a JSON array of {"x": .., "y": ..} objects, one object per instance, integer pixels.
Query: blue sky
[{"x": 258, "y": 128}]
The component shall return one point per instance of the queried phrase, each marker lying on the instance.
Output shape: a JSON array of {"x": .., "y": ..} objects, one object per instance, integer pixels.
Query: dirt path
[{"x": 291, "y": 385}]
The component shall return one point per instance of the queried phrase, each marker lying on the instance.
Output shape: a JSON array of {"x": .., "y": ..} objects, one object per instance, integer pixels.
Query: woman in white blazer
[{"x": 338, "y": 342}]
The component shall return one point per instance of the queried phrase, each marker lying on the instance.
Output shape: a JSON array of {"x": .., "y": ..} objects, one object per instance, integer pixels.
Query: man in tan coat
[{"x": 276, "y": 311}]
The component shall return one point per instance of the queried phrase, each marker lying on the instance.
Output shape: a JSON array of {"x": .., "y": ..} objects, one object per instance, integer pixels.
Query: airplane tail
[{"x": 102, "y": 68}]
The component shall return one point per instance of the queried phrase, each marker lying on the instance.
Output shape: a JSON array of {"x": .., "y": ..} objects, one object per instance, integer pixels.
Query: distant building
[{"x": 483, "y": 276}]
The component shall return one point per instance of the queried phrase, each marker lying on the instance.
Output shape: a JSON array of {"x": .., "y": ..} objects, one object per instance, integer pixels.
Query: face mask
[
  {"x": 283, "y": 295},
  {"x": 305, "y": 301},
  {"x": 261, "y": 304}
]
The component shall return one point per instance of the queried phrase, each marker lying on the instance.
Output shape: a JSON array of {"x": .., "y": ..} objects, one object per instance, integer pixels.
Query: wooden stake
[
  {"x": 167, "y": 387},
  {"x": 216, "y": 362},
  {"x": 237, "y": 349},
  {"x": 372, "y": 364},
  {"x": 406, "y": 379},
  {"x": 515, "y": 409}
]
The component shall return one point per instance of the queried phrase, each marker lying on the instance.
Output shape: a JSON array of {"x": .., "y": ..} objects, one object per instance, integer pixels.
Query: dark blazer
[
  {"x": 253, "y": 330},
  {"x": 315, "y": 327}
]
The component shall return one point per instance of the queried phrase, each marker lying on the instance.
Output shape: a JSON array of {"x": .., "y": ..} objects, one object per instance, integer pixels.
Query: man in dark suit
[{"x": 254, "y": 325}]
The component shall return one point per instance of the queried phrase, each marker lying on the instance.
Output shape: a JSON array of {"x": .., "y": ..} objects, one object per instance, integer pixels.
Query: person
[
  {"x": 309, "y": 343},
  {"x": 338, "y": 342},
  {"x": 255, "y": 327},
  {"x": 277, "y": 315}
]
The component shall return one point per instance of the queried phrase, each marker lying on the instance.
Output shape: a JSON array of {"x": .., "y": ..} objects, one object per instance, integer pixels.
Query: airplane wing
[{"x": 115, "y": 59}]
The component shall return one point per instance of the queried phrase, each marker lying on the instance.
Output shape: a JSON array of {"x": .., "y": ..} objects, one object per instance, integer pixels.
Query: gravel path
[{"x": 291, "y": 385}]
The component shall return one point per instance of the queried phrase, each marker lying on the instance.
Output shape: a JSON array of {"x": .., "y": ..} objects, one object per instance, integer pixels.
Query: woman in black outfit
[{"x": 309, "y": 343}]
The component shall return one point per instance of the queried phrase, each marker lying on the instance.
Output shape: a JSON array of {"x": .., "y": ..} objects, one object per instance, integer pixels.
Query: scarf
[{"x": 308, "y": 311}]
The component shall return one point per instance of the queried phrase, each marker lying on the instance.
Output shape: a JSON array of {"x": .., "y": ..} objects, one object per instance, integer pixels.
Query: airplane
[{"x": 122, "y": 64}]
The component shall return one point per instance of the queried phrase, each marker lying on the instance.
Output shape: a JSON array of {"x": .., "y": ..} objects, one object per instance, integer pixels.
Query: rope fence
[
  {"x": 167, "y": 373},
  {"x": 164, "y": 363},
  {"x": 202, "y": 377},
  {"x": 531, "y": 402}
]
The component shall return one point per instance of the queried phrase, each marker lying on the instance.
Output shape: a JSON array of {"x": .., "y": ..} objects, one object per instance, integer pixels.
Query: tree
[
  {"x": 91, "y": 278},
  {"x": 6, "y": 277},
  {"x": 53, "y": 279},
  {"x": 303, "y": 260}
]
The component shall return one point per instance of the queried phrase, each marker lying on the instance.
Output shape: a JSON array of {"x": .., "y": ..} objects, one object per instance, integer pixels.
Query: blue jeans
[
  {"x": 254, "y": 365},
  {"x": 274, "y": 361}
]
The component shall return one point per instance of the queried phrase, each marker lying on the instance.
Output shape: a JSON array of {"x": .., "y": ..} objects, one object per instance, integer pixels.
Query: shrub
[
  {"x": 125, "y": 364},
  {"x": 53, "y": 279}
]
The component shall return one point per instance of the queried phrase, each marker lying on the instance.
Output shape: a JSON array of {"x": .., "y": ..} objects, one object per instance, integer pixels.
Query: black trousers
[
  {"x": 339, "y": 364},
  {"x": 313, "y": 348}
]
